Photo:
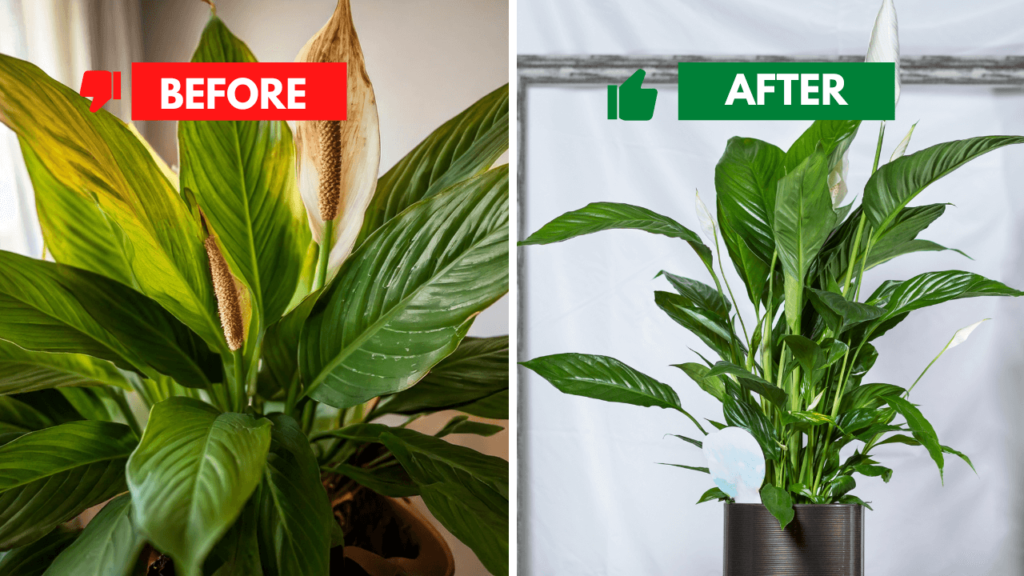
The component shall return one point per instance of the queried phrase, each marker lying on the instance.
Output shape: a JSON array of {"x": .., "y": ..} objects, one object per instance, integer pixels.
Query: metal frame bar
[{"x": 599, "y": 70}]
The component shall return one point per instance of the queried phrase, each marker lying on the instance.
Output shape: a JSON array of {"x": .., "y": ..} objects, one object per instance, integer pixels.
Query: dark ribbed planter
[{"x": 822, "y": 540}]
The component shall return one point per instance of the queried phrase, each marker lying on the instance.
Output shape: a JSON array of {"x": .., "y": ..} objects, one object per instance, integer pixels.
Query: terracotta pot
[
  {"x": 422, "y": 551},
  {"x": 822, "y": 540}
]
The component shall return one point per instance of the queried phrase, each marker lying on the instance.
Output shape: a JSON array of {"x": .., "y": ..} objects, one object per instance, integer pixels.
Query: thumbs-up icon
[
  {"x": 97, "y": 84},
  {"x": 631, "y": 101}
]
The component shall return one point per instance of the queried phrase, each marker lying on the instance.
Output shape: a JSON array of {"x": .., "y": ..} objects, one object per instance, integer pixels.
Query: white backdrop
[{"x": 594, "y": 502}]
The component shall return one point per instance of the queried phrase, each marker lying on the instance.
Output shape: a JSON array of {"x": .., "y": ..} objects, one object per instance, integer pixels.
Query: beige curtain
[{"x": 64, "y": 38}]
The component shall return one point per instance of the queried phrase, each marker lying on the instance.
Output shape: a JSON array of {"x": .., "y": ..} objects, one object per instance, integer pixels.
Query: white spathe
[
  {"x": 884, "y": 45},
  {"x": 901, "y": 148},
  {"x": 736, "y": 463},
  {"x": 707, "y": 221}
]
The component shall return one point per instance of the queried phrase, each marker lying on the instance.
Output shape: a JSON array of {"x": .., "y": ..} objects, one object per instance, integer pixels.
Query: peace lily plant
[
  {"x": 266, "y": 348},
  {"x": 795, "y": 375}
]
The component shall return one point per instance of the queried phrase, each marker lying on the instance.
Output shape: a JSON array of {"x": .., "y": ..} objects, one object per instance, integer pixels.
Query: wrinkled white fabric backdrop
[{"x": 593, "y": 500}]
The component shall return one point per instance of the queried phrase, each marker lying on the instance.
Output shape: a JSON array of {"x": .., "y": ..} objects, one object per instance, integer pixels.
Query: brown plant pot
[
  {"x": 387, "y": 537},
  {"x": 822, "y": 540}
]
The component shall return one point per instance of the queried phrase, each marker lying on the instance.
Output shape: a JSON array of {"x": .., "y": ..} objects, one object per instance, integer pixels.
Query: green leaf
[
  {"x": 803, "y": 220},
  {"x": 702, "y": 295},
  {"x": 694, "y": 468},
  {"x": 962, "y": 456},
  {"x": 463, "y": 425},
  {"x": 33, "y": 559},
  {"x": 874, "y": 471},
  {"x": 605, "y": 378},
  {"x": 191, "y": 475},
  {"x": 753, "y": 420},
  {"x": 900, "y": 181},
  {"x": 466, "y": 491},
  {"x": 391, "y": 481},
  {"x": 477, "y": 370},
  {"x": 17, "y": 418},
  {"x": 840, "y": 486},
  {"x": 835, "y": 137},
  {"x": 51, "y": 307},
  {"x": 699, "y": 373},
  {"x": 713, "y": 494},
  {"x": 751, "y": 269},
  {"x": 243, "y": 176},
  {"x": 704, "y": 324},
  {"x": 27, "y": 371},
  {"x": 779, "y": 503},
  {"x": 50, "y": 476},
  {"x": 494, "y": 406},
  {"x": 804, "y": 420},
  {"x": 933, "y": 288},
  {"x": 97, "y": 157},
  {"x": 461, "y": 148},
  {"x": 744, "y": 177},
  {"x": 922, "y": 429},
  {"x": 839, "y": 313},
  {"x": 295, "y": 514},
  {"x": 869, "y": 396},
  {"x": 809, "y": 355},
  {"x": 753, "y": 383},
  {"x": 281, "y": 349},
  {"x": 908, "y": 223},
  {"x": 851, "y": 499},
  {"x": 404, "y": 300},
  {"x": 108, "y": 546},
  {"x": 238, "y": 552},
  {"x": 696, "y": 443}
]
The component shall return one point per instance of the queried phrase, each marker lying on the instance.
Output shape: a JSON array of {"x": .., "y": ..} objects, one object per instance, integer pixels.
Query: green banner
[{"x": 787, "y": 91}]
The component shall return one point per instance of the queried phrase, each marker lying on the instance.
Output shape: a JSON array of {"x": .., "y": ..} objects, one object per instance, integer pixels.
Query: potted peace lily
[
  {"x": 281, "y": 349},
  {"x": 793, "y": 379}
]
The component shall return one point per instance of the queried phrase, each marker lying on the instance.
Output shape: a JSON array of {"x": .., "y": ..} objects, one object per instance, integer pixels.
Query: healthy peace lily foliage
[
  {"x": 265, "y": 360},
  {"x": 798, "y": 379}
]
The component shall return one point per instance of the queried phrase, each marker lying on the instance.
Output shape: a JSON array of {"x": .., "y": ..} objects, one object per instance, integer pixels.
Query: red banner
[{"x": 239, "y": 91}]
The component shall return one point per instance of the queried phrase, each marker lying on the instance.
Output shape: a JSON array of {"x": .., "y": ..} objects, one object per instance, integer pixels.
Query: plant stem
[
  {"x": 731, "y": 297},
  {"x": 293, "y": 393},
  {"x": 878, "y": 147},
  {"x": 325, "y": 255},
  {"x": 238, "y": 385}
]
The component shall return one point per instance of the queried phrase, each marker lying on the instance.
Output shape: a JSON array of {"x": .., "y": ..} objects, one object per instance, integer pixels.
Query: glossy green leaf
[
  {"x": 18, "y": 418},
  {"x": 869, "y": 396},
  {"x": 699, "y": 373},
  {"x": 744, "y": 177},
  {"x": 461, "y": 148},
  {"x": 900, "y": 181},
  {"x": 192, "y": 473},
  {"x": 752, "y": 270},
  {"x": 752, "y": 382},
  {"x": 874, "y": 471},
  {"x": 834, "y": 136},
  {"x": 839, "y": 313},
  {"x": 280, "y": 350},
  {"x": 713, "y": 494},
  {"x": 34, "y": 558},
  {"x": 605, "y": 378},
  {"x": 466, "y": 491},
  {"x": 243, "y": 176},
  {"x": 26, "y": 371},
  {"x": 803, "y": 419},
  {"x": 494, "y": 406},
  {"x": 933, "y": 288},
  {"x": 696, "y": 443},
  {"x": 50, "y": 476},
  {"x": 840, "y": 486},
  {"x": 704, "y": 324},
  {"x": 295, "y": 514},
  {"x": 922, "y": 429},
  {"x": 461, "y": 424},
  {"x": 405, "y": 299},
  {"x": 779, "y": 503},
  {"x": 753, "y": 420},
  {"x": 803, "y": 220},
  {"x": 51, "y": 307},
  {"x": 392, "y": 481},
  {"x": 109, "y": 545},
  {"x": 477, "y": 370},
  {"x": 238, "y": 552},
  {"x": 694, "y": 468},
  {"x": 702, "y": 295},
  {"x": 96, "y": 156}
]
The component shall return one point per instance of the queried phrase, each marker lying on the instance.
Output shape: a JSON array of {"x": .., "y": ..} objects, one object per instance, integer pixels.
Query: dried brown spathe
[
  {"x": 337, "y": 162},
  {"x": 229, "y": 303}
]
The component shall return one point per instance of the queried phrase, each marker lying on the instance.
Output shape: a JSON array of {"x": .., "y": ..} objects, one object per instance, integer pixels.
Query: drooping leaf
[
  {"x": 605, "y": 378},
  {"x": 243, "y": 176},
  {"x": 696, "y": 443},
  {"x": 461, "y": 424},
  {"x": 50, "y": 476},
  {"x": 295, "y": 515},
  {"x": 192, "y": 473},
  {"x": 779, "y": 503},
  {"x": 744, "y": 177},
  {"x": 462, "y": 147},
  {"x": 109, "y": 545},
  {"x": 897, "y": 183},
  {"x": 704, "y": 324},
  {"x": 27, "y": 371},
  {"x": 699, "y": 373},
  {"x": 51, "y": 307},
  {"x": 713, "y": 494},
  {"x": 391, "y": 481},
  {"x": 922, "y": 429},
  {"x": 874, "y": 471},
  {"x": 465, "y": 490},
  {"x": 694, "y": 468},
  {"x": 702, "y": 295},
  {"x": 477, "y": 370},
  {"x": 406, "y": 298},
  {"x": 34, "y": 558},
  {"x": 96, "y": 156}
]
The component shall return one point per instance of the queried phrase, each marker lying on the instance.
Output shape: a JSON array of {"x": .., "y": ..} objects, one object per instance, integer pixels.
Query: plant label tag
[{"x": 736, "y": 463}]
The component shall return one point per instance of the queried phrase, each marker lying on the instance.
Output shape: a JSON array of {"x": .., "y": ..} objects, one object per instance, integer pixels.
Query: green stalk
[
  {"x": 238, "y": 385},
  {"x": 878, "y": 147},
  {"x": 325, "y": 255},
  {"x": 718, "y": 252},
  {"x": 126, "y": 411}
]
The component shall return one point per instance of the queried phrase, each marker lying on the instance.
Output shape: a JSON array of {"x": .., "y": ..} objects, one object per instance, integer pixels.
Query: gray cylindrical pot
[{"x": 822, "y": 540}]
